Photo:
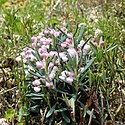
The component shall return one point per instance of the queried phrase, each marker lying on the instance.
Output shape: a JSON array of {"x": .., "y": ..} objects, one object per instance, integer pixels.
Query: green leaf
[
  {"x": 51, "y": 120},
  {"x": 94, "y": 48},
  {"x": 80, "y": 35},
  {"x": 35, "y": 109},
  {"x": 33, "y": 66},
  {"x": 64, "y": 122},
  {"x": 20, "y": 114},
  {"x": 36, "y": 98},
  {"x": 35, "y": 95},
  {"x": 88, "y": 65},
  {"x": 63, "y": 38},
  {"x": 83, "y": 76},
  {"x": 68, "y": 67},
  {"x": 62, "y": 92},
  {"x": 36, "y": 54},
  {"x": 54, "y": 20},
  {"x": 76, "y": 29},
  {"x": 99, "y": 56},
  {"x": 65, "y": 117},
  {"x": 61, "y": 110},
  {"x": 70, "y": 61},
  {"x": 82, "y": 105},
  {"x": 111, "y": 48},
  {"x": 34, "y": 74},
  {"x": 49, "y": 113},
  {"x": 9, "y": 114}
]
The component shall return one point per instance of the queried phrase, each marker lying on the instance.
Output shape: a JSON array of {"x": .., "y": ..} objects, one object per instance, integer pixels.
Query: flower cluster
[{"x": 50, "y": 55}]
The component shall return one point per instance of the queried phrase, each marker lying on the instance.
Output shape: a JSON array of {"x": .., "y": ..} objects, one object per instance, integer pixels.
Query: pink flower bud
[
  {"x": 72, "y": 52},
  {"x": 63, "y": 45},
  {"x": 42, "y": 49},
  {"x": 64, "y": 29},
  {"x": 63, "y": 56},
  {"x": 86, "y": 47},
  {"x": 68, "y": 41},
  {"x": 52, "y": 75},
  {"x": 52, "y": 31},
  {"x": 42, "y": 40},
  {"x": 60, "y": 33},
  {"x": 22, "y": 54},
  {"x": 32, "y": 58},
  {"x": 46, "y": 42},
  {"x": 95, "y": 44},
  {"x": 63, "y": 73},
  {"x": 70, "y": 35},
  {"x": 52, "y": 53},
  {"x": 45, "y": 55},
  {"x": 49, "y": 84},
  {"x": 35, "y": 77},
  {"x": 51, "y": 64},
  {"x": 81, "y": 43},
  {"x": 36, "y": 82},
  {"x": 70, "y": 74},
  {"x": 27, "y": 57},
  {"x": 57, "y": 62},
  {"x": 55, "y": 68},
  {"x": 34, "y": 39},
  {"x": 41, "y": 65},
  {"x": 39, "y": 37},
  {"x": 101, "y": 43},
  {"x": 34, "y": 45},
  {"x": 69, "y": 79},
  {"x": 28, "y": 52},
  {"x": 46, "y": 32},
  {"x": 56, "y": 34},
  {"x": 64, "y": 59}
]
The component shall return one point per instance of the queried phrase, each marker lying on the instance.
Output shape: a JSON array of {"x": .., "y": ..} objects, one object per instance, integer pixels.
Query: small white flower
[
  {"x": 82, "y": 24},
  {"x": 18, "y": 59},
  {"x": 49, "y": 84},
  {"x": 4, "y": 121},
  {"x": 62, "y": 77},
  {"x": 69, "y": 79},
  {"x": 86, "y": 48},
  {"x": 98, "y": 32},
  {"x": 37, "y": 89},
  {"x": 52, "y": 75},
  {"x": 36, "y": 82}
]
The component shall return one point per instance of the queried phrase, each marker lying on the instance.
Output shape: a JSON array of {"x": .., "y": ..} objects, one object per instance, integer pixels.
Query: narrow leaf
[
  {"x": 50, "y": 111},
  {"x": 65, "y": 117},
  {"x": 94, "y": 48},
  {"x": 35, "y": 95},
  {"x": 61, "y": 110},
  {"x": 76, "y": 29},
  {"x": 88, "y": 65},
  {"x": 111, "y": 48},
  {"x": 85, "y": 43},
  {"x": 80, "y": 35}
]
